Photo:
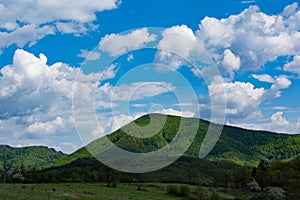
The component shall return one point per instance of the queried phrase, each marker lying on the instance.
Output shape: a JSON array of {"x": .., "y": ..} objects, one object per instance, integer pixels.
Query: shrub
[
  {"x": 197, "y": 194},
  {"x": 173, "y": 189},
  {"x": 184, "y": 191},
  {"x": 114, "y": 184},
  {"x": 215, "y": 196}
]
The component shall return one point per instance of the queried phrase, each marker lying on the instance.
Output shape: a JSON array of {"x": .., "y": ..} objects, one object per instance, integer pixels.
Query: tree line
[{"x": 285, "y": 175}]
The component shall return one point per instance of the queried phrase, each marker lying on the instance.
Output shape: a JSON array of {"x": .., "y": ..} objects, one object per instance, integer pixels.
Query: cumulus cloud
[
  {"x": 107, "y": 123},
  {"x": 110, "y": 72},
  {"x": 121, "y": 120},
  {"x": 178, "y": 42},
  {"x": 89, "y": 55},
  {"x": 294, "y": 65},
  {"x": 280, "y": 83},
  {"x": 182, "y": 46},
  {"x": 230, "y": 62},
  {"x": 253, "y": 36},
  {"x": 249, "y": 1},
  {"x": 135, "y": 91},
  {"x": 264, "y": 78},
  {"x": 33, "y": 74},
  {"x": 171, "y": 111},
  {"x": 130, "y": 57},
  {"x": 276, "y": 123},
  {"x": 242, "y": 98},
  {"x": 138, "y": 105},
  {"x": 48, "y": 127},
  {"x": 290, "y": 9},
  {"x": 31, "y": 20},
  {"x": 36, "y": 99},
  {"x": 98, "y": 132},
  {"x": 243, "y": 102},
  {"x": 278, "y": 120},
  {"x": 117, "y": 45}
]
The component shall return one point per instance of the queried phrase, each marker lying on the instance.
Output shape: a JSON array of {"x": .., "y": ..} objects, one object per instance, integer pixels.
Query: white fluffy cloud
[
  {"x": 175, "y": 40},
  {"x": 48, "y": 127},
  {"x": 294, "y": 65},
  {"x": 135, "y": 91},
  {"x": 178, "y": 42},
  {"x": 118, "y": 44},
  {"x": 89, "y": 55},
  {"x": 230, "y": 62},
  {"x": 36, "y": 99},
  {"x": 121, "y": 120},
  {"x": 264, "y": 78},
  {"x": 130, "y": 57},
  {"x": 109, "y": 72},
  {"x": 280, "y": 83},
  {"x": 244, "y": 101},
  {"x": 248, "y": 1},
  {"x": 242, "y": 98},
  {"x": 171, "y": 111},
  {"x": 277, "y": 123},
  {"x": 27, "y": 33},
  {"x": 252, "y": 36},
  {"x": 290, "y": 9},
  {"x": 31, "y": 20},
  {"x": 278, "y": 120}
]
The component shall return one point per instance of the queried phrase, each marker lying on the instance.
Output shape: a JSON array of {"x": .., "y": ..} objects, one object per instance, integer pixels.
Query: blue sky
[{"x": 48, "y": 49}]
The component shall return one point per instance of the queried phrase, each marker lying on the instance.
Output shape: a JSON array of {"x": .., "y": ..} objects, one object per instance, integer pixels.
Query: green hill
[
  {"x": 241, "y": 146},
  {"x": 30, "y": 157}
]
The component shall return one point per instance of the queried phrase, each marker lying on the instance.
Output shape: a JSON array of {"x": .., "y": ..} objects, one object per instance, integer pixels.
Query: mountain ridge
[
  {"x": 29, "y": 156},
  {"x": 241, "y": 146}
]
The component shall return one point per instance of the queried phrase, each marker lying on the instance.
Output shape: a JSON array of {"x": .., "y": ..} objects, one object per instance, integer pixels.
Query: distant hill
[
  {"x": 240, "y": 146},
  {"x": 30, "y": 157}
]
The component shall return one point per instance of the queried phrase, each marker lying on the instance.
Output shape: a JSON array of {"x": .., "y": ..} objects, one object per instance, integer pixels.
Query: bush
[
  {"x": 215, "y": 196},
  {"x": 293, "y": 191},
  {"x": 197, "y": 194},
  {"x": 182, "y": 191},
  {"x": 114, "y": 184},
  {"x": 173, "y": 189},
  {"x": 18, "y": 178}
]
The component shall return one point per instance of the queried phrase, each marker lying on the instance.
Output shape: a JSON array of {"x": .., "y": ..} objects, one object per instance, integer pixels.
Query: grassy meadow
[
  {"x": 148, "y": 191},
  {"x": 68, "y": 191}
]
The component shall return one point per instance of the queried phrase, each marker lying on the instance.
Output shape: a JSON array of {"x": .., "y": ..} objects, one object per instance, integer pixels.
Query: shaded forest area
[{"x": 281, "y": 178}]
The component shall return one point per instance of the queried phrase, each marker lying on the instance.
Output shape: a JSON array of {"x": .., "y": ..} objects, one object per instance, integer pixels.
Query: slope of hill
[
  {"x": 241, "y": 146},
  {"x": 33, "y": 156}
]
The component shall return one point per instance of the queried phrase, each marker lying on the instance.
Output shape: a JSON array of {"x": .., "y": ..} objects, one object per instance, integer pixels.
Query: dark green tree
[
  {"x": 4, "y": 169},
  {"x": 22, "y": 169},
  {"x": 17, "y": 175},
  {"x": 262, "y": 173},
  {"x": 108, "y": 175},
  {"x": 242, "y": 176},
  {"x": 88, "y": 176},
  {"x": 293, "y": 191},
  {"x": 254, "y": 172},
  {"x": 197, "y": 194},
  {"x": 32, "y": 176}
]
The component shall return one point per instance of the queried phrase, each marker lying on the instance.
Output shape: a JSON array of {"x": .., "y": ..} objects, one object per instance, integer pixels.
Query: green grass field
[{"x": 69, "y": 191}]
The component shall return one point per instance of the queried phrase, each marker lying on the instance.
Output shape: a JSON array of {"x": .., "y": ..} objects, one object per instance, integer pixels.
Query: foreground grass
[
  {"x": 149, "y": 191},
  {"x": 68, "y": 191}
]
